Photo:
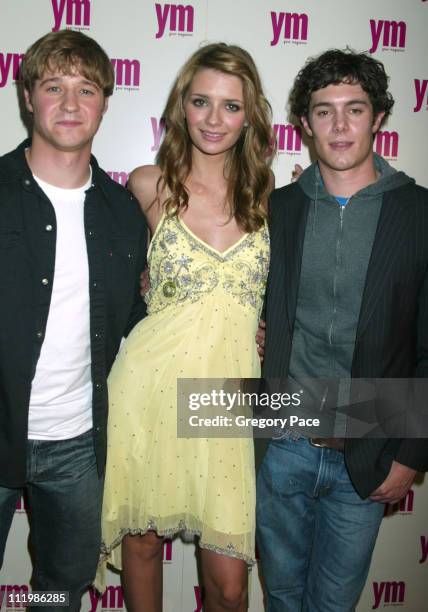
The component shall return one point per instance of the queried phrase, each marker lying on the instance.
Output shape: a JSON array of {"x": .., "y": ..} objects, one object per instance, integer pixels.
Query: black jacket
[
  {"x": 392, "y": 332},
  {"x": 116, "y": 235}
]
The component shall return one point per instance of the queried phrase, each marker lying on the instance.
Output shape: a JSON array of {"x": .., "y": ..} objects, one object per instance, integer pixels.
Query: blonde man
[{"x": 74, "y": 248}]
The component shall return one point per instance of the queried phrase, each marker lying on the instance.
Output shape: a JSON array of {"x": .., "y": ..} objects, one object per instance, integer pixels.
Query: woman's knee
[
  {"x": 229, "y": 594},
  {"x": 146, "y": 547}
]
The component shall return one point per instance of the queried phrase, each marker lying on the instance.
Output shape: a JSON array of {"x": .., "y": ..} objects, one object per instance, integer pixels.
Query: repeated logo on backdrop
[
  {"x": 198, "y": 598},
  {"x": 387, "y": 35},
  {"x": 12, "y": 594},
  {"x": 288, "y": 138},
  {"x": 73, "y": 14},
  {"x": 127, "y": 73},
  {"x": 9, "y": 67},
  {"x": 119, "y": 176},
  {"x": 421, "y": 86},
  {"x": 388, "y": 593},
  {"x": 386, "y": 144},
  {"x": 111, "y": 599},
  {"x": 158, "y": 129},
  {"x": 289, "y": 28},
  {"x": 405, "y": 505},
  {"x": 174, "y": 20}
]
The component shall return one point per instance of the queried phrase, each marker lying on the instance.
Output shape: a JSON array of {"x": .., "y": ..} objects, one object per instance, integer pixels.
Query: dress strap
[{"x": 157, "y": 231}]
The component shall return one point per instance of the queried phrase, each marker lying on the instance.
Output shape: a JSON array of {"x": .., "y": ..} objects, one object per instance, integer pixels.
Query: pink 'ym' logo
[
  {"x": 405, "y": 505},
  {"x": 178, "y": 18},
  {"x": 167, "y": 551},
  {"x": 119, "y": 177},
  {"x": 420, "y": 91},
  {"x": 77, "y": 13},
  {"x": 112, "y": 599},
  {"x": 292, "y": 26},
  {"x": 392, "y": 34},
  {"x": 386, "y": 144},
  {"x": 12, "y": 595},
  {"x": 198, "y": 597},
  {"x": 288, "y": 138},
  {"x": 127, "y": 73},
  {"x": 388, "y": 593},
  {"x": 158, "y": 129},
  {"x": 9, "y": 66}
]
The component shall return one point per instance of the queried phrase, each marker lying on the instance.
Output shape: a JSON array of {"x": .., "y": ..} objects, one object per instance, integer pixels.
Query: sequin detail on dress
[{"x": 177, "y": 277}]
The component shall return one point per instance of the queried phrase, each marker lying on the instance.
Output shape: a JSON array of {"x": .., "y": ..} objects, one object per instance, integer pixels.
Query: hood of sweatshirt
[{"x": 312, "y": 184}]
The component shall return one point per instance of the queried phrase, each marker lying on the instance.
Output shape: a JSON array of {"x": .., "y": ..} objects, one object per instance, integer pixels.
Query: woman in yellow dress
[{"x": 205, "y": 203}]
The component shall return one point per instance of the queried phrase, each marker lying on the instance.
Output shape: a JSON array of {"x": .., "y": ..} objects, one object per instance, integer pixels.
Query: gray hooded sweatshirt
[{"x": 336, "y": 252}]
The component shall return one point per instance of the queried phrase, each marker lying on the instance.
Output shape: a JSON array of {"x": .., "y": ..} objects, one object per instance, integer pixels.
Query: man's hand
[
  {"x": 396, "y": 484},
  {"x": 144, "y": 282},
  {"x": 260, "y": 339}
]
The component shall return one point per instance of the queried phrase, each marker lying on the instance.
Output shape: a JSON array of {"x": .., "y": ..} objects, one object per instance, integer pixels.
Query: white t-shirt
[{"x": 61, "y": 391}]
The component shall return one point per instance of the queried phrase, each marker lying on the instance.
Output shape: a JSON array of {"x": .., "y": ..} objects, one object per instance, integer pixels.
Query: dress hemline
[{"x": 229, "y": 551}]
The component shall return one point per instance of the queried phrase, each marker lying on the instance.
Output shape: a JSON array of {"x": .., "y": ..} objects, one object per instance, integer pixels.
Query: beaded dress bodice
[{"x": 184, "y": 269}]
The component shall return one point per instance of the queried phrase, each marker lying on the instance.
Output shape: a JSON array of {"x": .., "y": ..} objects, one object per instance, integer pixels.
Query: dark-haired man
[
  {"x": 73, "y": 244},
  {"x": 347, "y": 297}
]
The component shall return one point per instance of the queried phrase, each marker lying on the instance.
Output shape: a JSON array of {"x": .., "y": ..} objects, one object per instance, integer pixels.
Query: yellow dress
[{"x": 203, "y": 310}]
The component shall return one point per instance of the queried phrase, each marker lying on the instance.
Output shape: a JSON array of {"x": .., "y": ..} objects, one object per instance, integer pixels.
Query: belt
[{"x": 334, "y": 443}]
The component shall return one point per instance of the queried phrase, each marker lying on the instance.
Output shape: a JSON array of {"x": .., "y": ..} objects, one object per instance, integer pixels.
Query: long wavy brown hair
[{"x": 247, "y": 163}]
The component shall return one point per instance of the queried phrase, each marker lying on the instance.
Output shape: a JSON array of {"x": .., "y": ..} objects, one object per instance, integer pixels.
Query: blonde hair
[
  {"x": 67, "y": 51},
  {"x": 247, "y": 163}
]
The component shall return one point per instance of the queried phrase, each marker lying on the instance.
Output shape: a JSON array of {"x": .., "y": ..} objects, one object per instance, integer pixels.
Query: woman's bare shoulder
[{"x": 143, "y": 182}]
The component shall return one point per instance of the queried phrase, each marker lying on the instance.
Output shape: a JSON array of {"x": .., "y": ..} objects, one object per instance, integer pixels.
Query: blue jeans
[
  {"x": 64, "y": 497},
  {"x": 314, "y": 532}
]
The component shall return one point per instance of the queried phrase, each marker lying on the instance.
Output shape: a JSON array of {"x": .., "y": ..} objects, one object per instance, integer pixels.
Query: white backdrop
[{"x": 147, "y": 42}]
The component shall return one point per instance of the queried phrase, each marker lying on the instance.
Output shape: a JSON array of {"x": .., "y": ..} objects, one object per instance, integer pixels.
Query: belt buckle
[{"x": 317, "y": 444}]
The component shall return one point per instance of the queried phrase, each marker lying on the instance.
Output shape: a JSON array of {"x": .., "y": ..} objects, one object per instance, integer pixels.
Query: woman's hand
[
  {"x": 298, "y": 169},
  {"x": 260, "y": 339},
  {"x": 144, "y": 282}
]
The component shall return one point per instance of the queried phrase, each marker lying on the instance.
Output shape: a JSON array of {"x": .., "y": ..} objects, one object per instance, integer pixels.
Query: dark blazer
[
  {"x": 392, "y": 332},
  {"x": 116, "y": 236}
]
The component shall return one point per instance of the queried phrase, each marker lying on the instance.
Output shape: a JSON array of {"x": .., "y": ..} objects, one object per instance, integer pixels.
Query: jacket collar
[{"x": 14, "y": 166}]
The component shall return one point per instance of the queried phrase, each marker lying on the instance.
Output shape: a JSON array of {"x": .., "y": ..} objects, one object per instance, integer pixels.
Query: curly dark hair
[{"x": 341, "y": 66}]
